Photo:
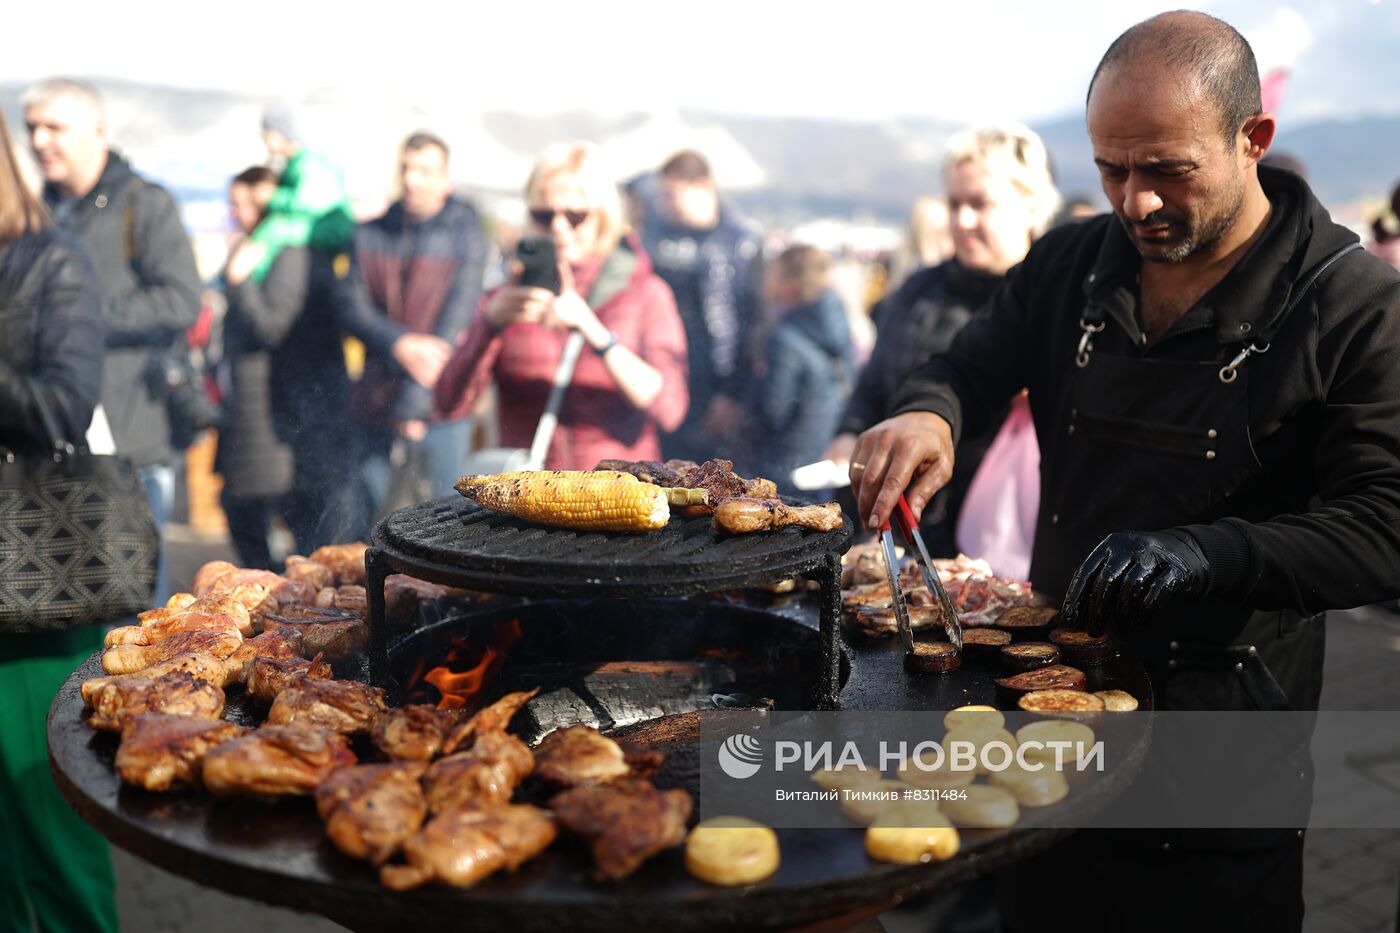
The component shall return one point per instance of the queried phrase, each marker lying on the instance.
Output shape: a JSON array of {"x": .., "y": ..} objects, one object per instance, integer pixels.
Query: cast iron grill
[{"x": 454, "y": 541}]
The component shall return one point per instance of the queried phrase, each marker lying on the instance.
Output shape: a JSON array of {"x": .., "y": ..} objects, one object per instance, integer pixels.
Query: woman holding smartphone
[{"x": 632, "y": 385}]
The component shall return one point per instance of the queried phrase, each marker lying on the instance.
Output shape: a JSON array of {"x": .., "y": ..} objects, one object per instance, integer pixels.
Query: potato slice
[
  {"x": 940, "y": 778},
  {"x": 983, "y": 807},
  {"x": 1054, "y": 730},
  {"x": 980, "y": 740},
  {"x": 1032, "y": 788},
  {"x": 864, "y": 809},
  {"x": 891, "y": 839},
  {"x": 837, "y": 778},
  {"x": 731, "y": 851},
  {"x": 1117, "y": 701},
  {"x": 975, "y": 716}
]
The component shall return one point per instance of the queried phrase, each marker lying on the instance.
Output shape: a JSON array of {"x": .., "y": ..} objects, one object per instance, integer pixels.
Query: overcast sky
[{"x": 970, "y": 61}]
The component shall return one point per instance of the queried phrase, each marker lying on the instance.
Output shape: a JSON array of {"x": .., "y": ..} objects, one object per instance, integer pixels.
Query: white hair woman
[
  {"x": 1001, "y": 195},
  {"x": 633, "y": 384}
]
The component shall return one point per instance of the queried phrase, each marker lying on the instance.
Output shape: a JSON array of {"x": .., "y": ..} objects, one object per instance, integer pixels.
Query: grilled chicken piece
[
  {"x": 493, "y": 718},
  {"x": 245, "y": 603},
  {"x": 625, "y": 822},
  {"x": 741, "y": 516},
  {"x": 488, "y": 772},
  {"x": 470, "y": 842},
  {"x": 344, "y": 706},
  {"x": 345, "y": 561},
  {"x": 273, "y": 761},
  {"x": 351, "y": 599},
  {"x": 128, "y": 659},
  {"x": 119, "y": 699},
  {"x": 369, "y": 810},
  {"x": 268, "y": 677},
  {"x": 201, "y": 664},
  {"x": 413, "y": 733},
  {"x": 314, "y": 575},
  {"x": 281, "y": 644},
  {"x": 339, "y": 634},
  {"x": 146, "y": 635},
  {"x": 160, "y": 750},
  {"x": 221, "y": 575},
  {"x": 580, "y": 755}
]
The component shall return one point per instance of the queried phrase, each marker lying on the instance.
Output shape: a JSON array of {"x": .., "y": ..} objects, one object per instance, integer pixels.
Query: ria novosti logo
[{"x": 740, "y": 756}]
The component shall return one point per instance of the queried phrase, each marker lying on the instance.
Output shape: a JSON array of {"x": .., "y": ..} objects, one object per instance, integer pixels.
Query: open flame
[{"x": 470, "y": 667}]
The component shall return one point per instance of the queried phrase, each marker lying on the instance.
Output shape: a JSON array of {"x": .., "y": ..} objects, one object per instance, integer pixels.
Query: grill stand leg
[
  {"x": 828, "y": 574},
  {"x": 376, "y": 572}
]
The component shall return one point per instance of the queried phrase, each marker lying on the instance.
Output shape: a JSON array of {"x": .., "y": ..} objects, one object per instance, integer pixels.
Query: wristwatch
[{"x": 611, "y": 342}]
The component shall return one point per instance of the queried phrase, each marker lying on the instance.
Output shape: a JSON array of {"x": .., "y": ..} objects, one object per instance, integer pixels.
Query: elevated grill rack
[{"x": 455, "y": 542}]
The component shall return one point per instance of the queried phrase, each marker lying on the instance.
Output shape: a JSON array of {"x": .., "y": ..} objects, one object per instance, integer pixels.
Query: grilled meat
[
  {"x": 125, "y": 696},
  {"x": 580, "y": 755},
  {"x": 470, "y": 842},
  {"x": 716, "y": 477},
  {"x": 174, "y": 622},
  {"x": 344, "y": 706},
  {"x": 744, "y": 515},
  {"x": 493, "y": 718},
  {"x": 268, "y": 677},
  {"x": 243, "y": 603},
  {"x": 300, "y": 570},
  {"x": 160, "y": 750},
  {"x": 413, "y": 733},
  {"x": 221, "y": 575},
  {"x": 369, "y": 810},
  {"x": 625, "y": 822},
  {"x": 128, "y": 659},
  {"x": 345, "y": 561},
  {"x": 488, "y": 772},
  {"x": 349, "y": 598},
  {"x": 283, "y": 645},
  {"x": 275, "y": 760},
  {"x": 339, "y": 634}
]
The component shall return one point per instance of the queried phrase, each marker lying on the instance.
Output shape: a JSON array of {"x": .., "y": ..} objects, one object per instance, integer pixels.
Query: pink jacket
[{"x": 596, "y": 421}]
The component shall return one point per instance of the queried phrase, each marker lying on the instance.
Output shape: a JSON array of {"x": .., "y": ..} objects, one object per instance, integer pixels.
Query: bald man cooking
[{"x": 1212, "y": 373}]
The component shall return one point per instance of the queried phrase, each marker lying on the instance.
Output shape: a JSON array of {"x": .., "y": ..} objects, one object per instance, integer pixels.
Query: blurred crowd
[{"x": 352, "y": 365}]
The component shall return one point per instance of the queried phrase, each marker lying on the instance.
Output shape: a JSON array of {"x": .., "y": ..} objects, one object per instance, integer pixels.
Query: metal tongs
[{"x": 903, "y": 516}]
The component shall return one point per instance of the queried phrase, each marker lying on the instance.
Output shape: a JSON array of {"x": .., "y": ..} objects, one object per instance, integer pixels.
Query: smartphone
[{"x": 540, "y": 261}]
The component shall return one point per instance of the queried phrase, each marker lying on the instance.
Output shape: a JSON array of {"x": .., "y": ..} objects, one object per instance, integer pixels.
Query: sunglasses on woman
[{"x": 544, "y": 216}]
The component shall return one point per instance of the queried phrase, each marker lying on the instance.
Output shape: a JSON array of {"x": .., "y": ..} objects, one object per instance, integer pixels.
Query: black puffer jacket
[
  {"x": 150, "y": 293},
  {"x": 50, "y": 339}
]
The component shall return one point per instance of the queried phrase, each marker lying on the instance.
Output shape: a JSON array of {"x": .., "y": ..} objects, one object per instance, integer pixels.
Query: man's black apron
[{"x": 1151, "y": 444}]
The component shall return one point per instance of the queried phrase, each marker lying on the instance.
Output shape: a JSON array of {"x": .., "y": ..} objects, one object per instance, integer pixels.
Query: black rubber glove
[{"x": 1131, "y": 575}]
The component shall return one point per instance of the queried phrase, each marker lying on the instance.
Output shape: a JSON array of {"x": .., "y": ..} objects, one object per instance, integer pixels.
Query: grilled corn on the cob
[{"x": 588, "y": 500}]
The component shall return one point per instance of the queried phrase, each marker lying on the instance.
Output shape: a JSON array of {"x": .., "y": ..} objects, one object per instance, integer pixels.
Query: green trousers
[{"x": 54, "y": 868}]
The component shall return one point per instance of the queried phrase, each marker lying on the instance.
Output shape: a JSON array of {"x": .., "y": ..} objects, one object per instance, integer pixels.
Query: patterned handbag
[{"x": 78, "y": 544}]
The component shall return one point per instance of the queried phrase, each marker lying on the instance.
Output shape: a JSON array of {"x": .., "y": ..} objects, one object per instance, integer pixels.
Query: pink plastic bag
[{"x": 997, "y": 522}]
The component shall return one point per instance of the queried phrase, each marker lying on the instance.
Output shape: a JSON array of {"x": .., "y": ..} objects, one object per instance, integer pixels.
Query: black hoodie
[{"x": 1316, "y": 523}]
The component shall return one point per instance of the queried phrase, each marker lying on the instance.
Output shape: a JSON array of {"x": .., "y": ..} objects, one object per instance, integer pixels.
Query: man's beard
[{"x": 1194, "y": 238}]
